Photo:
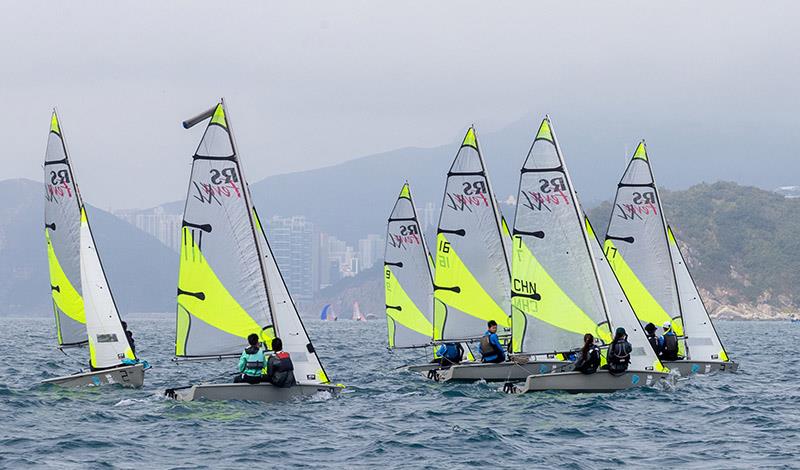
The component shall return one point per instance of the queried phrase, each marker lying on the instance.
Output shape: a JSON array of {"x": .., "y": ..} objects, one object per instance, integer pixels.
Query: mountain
[
  {"x": 141, "y": 271},
  {"x": 354, "y": 198},
  {"x": 741, "y": 246}
]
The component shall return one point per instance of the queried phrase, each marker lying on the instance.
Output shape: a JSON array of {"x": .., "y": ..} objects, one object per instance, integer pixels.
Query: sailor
[
  {"x": 251, "y": 363},
  {"x": 490, "y": 347},
  {"x": 449, "y": 354},
  {"x": 619, "y": 353},
  {"x": 589, "y": 359},
  {"x": 655, "y": 341},
  {"x": 280, "y": 370},
  {"x": 129, "y": 335},
  {"x": 669, "y": 343}
]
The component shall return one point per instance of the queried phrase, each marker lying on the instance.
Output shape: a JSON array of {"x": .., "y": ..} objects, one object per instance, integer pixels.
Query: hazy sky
[{"x": 310, "y": 84}]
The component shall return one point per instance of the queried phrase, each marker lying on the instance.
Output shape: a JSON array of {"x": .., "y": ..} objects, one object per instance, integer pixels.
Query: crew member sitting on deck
[
  {"x": 280, "y": 370},
  {"x": 619, "y": 353},
  {"x": 449, "y": 354},
  {"x": 251, "y": 363},
  {"x": 669, "y": 344},
  {"x": 655, "y": 341},
  {"x": 490, "y": 347},
  {"x": 589, "y": 359}
]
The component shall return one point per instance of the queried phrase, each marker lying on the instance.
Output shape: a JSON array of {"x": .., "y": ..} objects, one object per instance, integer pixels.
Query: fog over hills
[
  {"x": 354, "y": 198},
  {"x": 142, "y": 273}
]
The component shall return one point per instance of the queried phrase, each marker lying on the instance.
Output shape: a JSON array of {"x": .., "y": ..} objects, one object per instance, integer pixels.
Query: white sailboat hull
[
  {"x": 127, "y": 376},
  {"x": 689, "y": 367},
  {"x": 599, "y": 382},
  {"x": 265, "y": 392},
  {"x": 502, "y": 372}
]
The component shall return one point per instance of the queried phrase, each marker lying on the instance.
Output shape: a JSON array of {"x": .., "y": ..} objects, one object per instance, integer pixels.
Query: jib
[
  {"x": 227, "y": 175},
  {"x": 408, "y": 230},
  {"x": 477, "y": 187},
  {"x": 550, "y": 185},
  {"x": 59, "y": 177},
  {"x": 648, "y": 197}
]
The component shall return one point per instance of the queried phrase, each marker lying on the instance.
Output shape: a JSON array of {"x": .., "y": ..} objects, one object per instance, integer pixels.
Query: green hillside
[{"x": 741, "y": 242}]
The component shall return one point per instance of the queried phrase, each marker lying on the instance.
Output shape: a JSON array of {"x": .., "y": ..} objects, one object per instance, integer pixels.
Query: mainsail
[
  {"x": 62, "y": 222},
  {"x": 637, "y": 248},
  {"x": 108, "y": 343},
  {"x": 288, "y": 325},
  {"x": 407, "y": 277},
  {"x": 556, "y": 295},
  {"x": 472, "y": 265},
  {"x": 222, "y": 286}
]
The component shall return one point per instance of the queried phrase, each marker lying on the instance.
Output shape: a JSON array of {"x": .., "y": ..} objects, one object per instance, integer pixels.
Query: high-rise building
[
  {"x": 157, "y": 222},
  {"x": 370, "y": 250},
  {"x": 293, "y": 243},
  {"x": 428, "y": 217}
]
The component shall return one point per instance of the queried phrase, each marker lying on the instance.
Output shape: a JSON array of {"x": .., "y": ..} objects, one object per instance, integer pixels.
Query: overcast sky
[{"x": 311, "y": 84}]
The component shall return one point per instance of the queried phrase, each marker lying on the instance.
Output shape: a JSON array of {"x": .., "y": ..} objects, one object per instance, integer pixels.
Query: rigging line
[
  {"x": 76, "y": 360},
  {"x": 413, "y": 361}
]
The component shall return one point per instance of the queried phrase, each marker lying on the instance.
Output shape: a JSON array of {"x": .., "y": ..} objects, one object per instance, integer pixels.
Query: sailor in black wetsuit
[{"x": 589, "y": 359}]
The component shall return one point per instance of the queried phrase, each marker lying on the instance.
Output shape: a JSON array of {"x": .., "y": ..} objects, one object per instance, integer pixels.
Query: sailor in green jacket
[{"x": 251, "y": 363}]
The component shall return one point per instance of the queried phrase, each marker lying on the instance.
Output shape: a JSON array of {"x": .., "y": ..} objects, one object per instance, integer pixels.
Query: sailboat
[
  {"x": 357, "y": 315},
  {"x": 560, "y": 290},
  {"x": 471, "y": 280},
  {"x": 408, "y": 281},
  {"x": 327, "y": 313},
  {"x": 645, "y": 255},
  {"x": 229, "y": 283},
  {"x": 84, "y": 307}
]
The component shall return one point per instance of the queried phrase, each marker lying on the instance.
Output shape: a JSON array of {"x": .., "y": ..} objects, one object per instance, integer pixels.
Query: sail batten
[
  {"x": 408, "y": 278},
  {"x": 472, "y": 266}
]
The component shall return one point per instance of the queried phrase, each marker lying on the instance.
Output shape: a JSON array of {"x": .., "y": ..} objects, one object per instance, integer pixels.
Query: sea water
[{"x": 389, "y": 418}]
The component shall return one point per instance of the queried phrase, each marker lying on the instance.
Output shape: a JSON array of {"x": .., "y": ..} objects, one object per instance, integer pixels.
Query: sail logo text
[
  {"x": 58, "y": 186},
  {"x": 474, "y": 194},
  {"x": 552, "y": 192},
  {"x": 642, "y": 204},
  {"x": 223, "y": 185},
  {"x": 409, "y": 235}
]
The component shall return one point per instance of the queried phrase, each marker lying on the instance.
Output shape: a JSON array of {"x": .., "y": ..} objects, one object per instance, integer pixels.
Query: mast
[
  {"x": 250, "y": 207},
  {"x": 579, "y": 215},
  {"x": 666, "y": 238}
]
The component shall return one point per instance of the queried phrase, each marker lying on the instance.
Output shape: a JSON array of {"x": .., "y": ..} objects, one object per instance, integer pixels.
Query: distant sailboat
[
  {"x": 327, "y": 313},
  {"x": 560, "y": 285},
  {"x": 229, "y": 284},
  {"x": 646, "y": 258},
  {"x": 84, "y": 307},
  {"x": 357, "y": 315},
  {"x": 408, "y": 281}
]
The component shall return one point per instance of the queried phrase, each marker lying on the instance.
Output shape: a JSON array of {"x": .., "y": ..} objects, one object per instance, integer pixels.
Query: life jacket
[
  {"x": 670, "y": 351},
  {"x": 589, "y": 363},
  {"x": 283, "y": 362},
  {"x": 255, "y": 361},
  {"x": 489, "y": 349},
  {"x": 618, "y": 356},
  {"x": 453, "y": 352},
  {"x": 281, "y": 370}
]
